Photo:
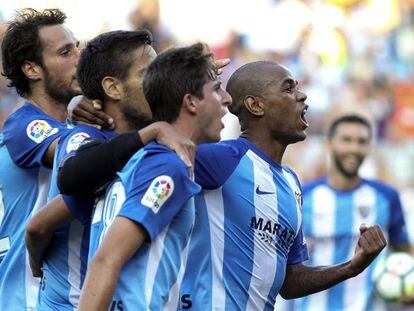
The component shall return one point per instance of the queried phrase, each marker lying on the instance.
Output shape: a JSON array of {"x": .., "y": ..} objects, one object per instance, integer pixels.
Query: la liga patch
[
  {"x": 39, "y": 130},
  {"x": 76, "y": 141},
  {"x": 161, "y": 188}
]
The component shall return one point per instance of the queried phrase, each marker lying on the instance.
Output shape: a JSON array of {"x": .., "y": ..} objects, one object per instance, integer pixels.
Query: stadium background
[{"x": 347, "y": 55}]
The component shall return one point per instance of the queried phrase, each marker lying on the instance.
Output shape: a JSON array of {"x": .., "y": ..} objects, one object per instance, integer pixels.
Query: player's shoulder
[
  {"x": 223, "y": 148},
  {"x": 156, "y": 155},
  {"x": 312, "y": 185},
  {"x": 31, "y": 122},
  {"x": 381, "y": 187}
]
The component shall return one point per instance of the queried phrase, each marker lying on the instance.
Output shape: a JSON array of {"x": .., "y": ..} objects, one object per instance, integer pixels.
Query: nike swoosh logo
[{"x": 259, "y": 192}]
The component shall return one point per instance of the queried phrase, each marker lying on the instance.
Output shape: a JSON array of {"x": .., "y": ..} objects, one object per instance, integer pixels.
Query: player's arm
[
  {"x": 40, "y": 229},
  {"x": 97, "y": 162},
  {"x": 302, "y": 280},
  {"x": 103, "y": 270}
]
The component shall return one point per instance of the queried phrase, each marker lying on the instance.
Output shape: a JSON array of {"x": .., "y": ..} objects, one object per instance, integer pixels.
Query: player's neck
[
  {"x": 269, "y": 146},
  {"x": 121, "y": 124},
  {"x": 188, "y": 128},
  {"x": 339, "y": 181},
  {"x": 51, "y": 107}
]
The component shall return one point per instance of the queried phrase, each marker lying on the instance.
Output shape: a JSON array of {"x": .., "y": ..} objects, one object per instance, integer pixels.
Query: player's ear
[
  {"x": 190, "y": 103},
  {"x": 32, "y": 71},
  {"x": 112, "y": 87},
  {"x": 254, "y": 105}
]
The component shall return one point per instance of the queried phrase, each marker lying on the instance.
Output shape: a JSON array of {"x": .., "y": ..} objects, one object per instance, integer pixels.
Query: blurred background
[{"x": 347, "y": 54}]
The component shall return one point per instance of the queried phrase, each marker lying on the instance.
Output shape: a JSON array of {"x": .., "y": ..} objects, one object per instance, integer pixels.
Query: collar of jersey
[{"x": 247, "y": 143}]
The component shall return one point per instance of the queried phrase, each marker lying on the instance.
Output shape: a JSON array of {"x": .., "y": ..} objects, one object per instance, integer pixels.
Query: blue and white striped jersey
[
  {"x": 64, "y": 266},
  {"x": 27, "y": 134},
  {"x": 331, "y": 222},
  {"x": 154, "y": 190},
  {"x": 248, "y": 228}
]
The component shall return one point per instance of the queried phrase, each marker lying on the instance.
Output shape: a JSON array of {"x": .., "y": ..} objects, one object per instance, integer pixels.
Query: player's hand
[
  {"x": 84, "y": 111},
  {"x": 36, "y": 269},
  {"x": 166, "y": 135},
  {"x": 220, "y": 64},
  {"x": 370, "y": 244}
]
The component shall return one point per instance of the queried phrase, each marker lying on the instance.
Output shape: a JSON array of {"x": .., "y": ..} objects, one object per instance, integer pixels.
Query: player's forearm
[
  {"x": 96, "y": 163},
  {"x": 302, "y": 280},
  {"x": 37, "y": 245},
  {"x": 99, "y": 286}
]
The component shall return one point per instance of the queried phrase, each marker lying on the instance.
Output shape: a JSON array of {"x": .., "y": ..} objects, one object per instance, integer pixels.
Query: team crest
[
  {"x": 298, "y": 197},
  {"x": 39, "y": 130},
  {"x": 76, "y": 141},
  {"x": 158, "y": 192},
  {"x": 364, "y": 210}
]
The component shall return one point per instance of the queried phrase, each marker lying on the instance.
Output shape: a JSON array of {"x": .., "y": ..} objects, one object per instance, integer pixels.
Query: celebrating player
[
  {"x": 148, "y": 213},
  {"x": 337, "y": 204},
  {"x": 110, "y": 69}
]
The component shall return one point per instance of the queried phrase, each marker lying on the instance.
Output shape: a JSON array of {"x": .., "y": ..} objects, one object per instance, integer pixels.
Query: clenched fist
[{"x": 370, "y": 244}]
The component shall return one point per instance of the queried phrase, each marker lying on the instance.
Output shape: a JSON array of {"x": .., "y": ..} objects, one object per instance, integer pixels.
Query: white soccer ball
[{"x": 393, "y": 276}]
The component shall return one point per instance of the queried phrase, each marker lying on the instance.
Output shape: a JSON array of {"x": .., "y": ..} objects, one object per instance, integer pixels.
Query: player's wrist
[{"x": 149, "y": 133}]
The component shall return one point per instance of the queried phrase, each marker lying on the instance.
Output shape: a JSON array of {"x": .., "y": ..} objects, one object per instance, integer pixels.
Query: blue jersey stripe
[{"x": 236, "y": 273}]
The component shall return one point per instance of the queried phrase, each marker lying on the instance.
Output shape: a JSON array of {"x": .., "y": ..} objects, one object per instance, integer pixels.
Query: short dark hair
[
  {"x": 21, "y": 42},
  {"x": 350, "y": 118},
  {"x": 108, "y": 55},
  {"x": 173, "y": 74}
]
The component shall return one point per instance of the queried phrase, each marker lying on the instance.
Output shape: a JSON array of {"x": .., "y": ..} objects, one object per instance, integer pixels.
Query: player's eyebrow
[
  {"x": 68, "y": 46},
  {"x": 289, "y": 81}
]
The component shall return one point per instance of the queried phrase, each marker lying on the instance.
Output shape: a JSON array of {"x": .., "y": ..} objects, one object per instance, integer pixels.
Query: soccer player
[
  {"x": 248, "y": 219},
  {"x": 110, "y": 69},
  {"x": 39, "y": 58},
  {"x": 249, "y": 223},
  {"x": 335, "y": 206},
  {"x": 148, "y": 213}
]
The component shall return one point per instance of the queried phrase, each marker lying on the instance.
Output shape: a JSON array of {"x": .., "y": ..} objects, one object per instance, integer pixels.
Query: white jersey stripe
[
  {"x": 154, "y": 258},
  {"x": 263, "y": 273},
  {"x": 323, "y": 224},
  {"x": 364, "y": 211},
  {"x": 32, "y": 283},
  {"x": 295, "y": 190},
  {"x": 215, "y": 208},
  {"x": 74, "y": 260},
  {"x": 175, "y": 289}
]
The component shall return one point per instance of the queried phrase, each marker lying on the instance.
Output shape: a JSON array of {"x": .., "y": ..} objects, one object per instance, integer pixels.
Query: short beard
[
  {"x": 135, "y": 119},
  {"x": 57, "y": 90},
  {"x": 342, "y": 170}
]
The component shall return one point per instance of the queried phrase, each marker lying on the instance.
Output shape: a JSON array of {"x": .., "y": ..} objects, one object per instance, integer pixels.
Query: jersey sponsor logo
[
  {"x": 39, "y": 130},
  {"x": 76, "y": 141},
  {"x": 273, "y": 232},
  {"x": 158, "y": 192},
  {"x": 186, "y": 302},
  {"x": 260, "y": 192}
]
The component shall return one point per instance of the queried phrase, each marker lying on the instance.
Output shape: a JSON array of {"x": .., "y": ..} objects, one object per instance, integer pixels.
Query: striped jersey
[
  {"x": 248, "y": 228},
  {"x": 64, "y": 266},
  {"x": 331, "y": 221},
  {"x": 24, "y": 185},
  {"x": 154, "y": 190}
]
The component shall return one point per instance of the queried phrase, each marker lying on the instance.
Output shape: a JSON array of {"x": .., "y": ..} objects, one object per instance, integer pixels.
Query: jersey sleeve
[
  {"x": 215, "y": 163},
  {"x": 299, "y": 250},
  {"x": 29, "y": 136},
  {"x": 80, "y": 207},
  {"x": 72, "y": 140},
  {"x": 156, "y": 191},
  {"x": 397, "y": 229}
]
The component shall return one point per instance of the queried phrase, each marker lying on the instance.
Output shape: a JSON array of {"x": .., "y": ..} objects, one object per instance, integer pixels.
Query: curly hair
[{"x": 22, "y": 43}]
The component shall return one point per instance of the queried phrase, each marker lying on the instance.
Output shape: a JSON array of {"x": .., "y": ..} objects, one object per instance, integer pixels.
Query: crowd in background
[{"x": 346, "y": 54}]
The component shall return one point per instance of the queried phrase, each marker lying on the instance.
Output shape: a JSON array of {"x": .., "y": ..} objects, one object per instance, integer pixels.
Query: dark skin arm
[{"x": 302, "y": 280}]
